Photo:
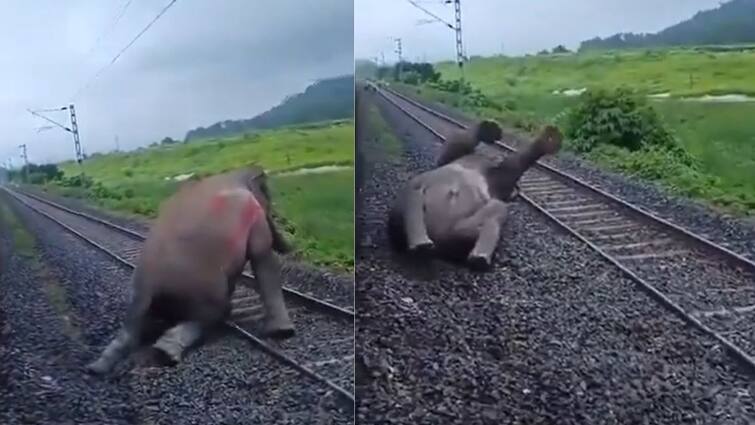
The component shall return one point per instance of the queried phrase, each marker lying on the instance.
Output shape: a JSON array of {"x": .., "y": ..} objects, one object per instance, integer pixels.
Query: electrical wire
[
  {"x": 115, "y": 58},
  {"x": 107, "y": 32}
]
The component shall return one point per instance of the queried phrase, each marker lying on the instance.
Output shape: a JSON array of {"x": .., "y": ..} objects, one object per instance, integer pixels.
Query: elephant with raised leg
[
  {"x": 458, "y": 208},
  {"x": 195, "y": 251}
]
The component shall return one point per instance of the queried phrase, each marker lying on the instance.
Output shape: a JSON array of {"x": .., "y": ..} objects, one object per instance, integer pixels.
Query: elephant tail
[{"x": 280, "y": 244}]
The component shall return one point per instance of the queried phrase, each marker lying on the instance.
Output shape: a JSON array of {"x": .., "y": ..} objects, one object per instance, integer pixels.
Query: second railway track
[
  {"x": 323, "y": 347},
  {"x": 706, "y": 284}
]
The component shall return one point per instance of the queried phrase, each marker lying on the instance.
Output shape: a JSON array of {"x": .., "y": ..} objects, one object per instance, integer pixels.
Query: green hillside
[
  {"x": 328, "y": 99},
  {"x": 732, "y": 22}
]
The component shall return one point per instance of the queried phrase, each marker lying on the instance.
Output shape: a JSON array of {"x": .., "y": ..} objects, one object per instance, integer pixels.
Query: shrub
[{"x": 619, "y": 118}]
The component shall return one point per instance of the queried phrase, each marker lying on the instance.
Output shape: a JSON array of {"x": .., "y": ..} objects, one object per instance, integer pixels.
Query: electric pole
[
  {"x": 117, "y": 145},
  {"x": 400, "y": 57},
  {"x": 26, "y": 162},
  {"x": 73, "y": 130},
  {"x": 457, "y": 29}
]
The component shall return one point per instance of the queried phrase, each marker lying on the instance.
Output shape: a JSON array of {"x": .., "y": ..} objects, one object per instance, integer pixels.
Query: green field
[
  {"x": 720, "y": 135},
  {"x": 317, "y": 209}
]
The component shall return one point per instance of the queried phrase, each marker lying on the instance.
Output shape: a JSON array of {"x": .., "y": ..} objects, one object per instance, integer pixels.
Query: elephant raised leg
[
  {"x": 414, "y": 219},
  {"x": 267, "y": 270},
  {"x": 484, "y": 227}
]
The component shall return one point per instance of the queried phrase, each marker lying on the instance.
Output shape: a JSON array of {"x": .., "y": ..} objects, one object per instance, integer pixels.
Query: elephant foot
[
  {"x": 479, "y": 262},
  {"x": 280, "y": 329},
  {"x": 422, "y": 249},
  {"x": 155, "y": 357}
]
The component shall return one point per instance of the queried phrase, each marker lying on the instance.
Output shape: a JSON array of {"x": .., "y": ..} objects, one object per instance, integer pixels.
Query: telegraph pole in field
[
  {"x": 26, "y": 162},
  {"x": 400, "y": 57}
]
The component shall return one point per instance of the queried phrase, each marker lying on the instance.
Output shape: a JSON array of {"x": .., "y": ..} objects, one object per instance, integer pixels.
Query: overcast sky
[
  {"x": 512, "y": 26},
  {"x": 202, "y": 62}
]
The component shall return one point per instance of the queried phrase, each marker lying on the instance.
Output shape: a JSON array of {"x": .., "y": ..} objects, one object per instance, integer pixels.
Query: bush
[
  {"x": 410, "y": 77},
  {"x": 79, "y": 180},
  {"x": 617, "y": 118},
  {"x": 470, "y": 96}
]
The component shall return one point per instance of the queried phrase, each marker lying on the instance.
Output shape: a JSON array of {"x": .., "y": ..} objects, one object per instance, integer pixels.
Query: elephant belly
[{"x": 446, "y": 206}]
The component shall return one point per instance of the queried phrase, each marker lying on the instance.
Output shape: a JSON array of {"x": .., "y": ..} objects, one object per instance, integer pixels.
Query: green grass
[
  {"x": 654, "y": 71},
  {"x": 23, "y": 241},
  {"x": 318, "y": 208},
  {"x": 720, "y": 135},
  {"x": 319, "y": 212},
  {"x": 378, "y": 127}
]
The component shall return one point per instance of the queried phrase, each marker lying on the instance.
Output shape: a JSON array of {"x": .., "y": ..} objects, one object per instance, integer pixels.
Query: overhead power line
[
  {"x": 434, "y": 16},
  {"x": 115, "y": 58},
  {"x": 110, "y": 28}
]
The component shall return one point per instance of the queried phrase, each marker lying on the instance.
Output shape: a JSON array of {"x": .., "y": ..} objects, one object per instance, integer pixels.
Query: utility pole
[
  {"x": 26, "y": 162},
  {"x": 457, "y": 29},
  {"x": 400, "y": 57},
  {"x": 73, "y": 130},
  {"x": 117, "y": 146}
]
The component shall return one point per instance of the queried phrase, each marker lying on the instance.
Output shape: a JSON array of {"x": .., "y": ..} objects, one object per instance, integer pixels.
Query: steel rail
[
  {"x": 267, "y": 348},
  {"x": 742, "y": 357}
]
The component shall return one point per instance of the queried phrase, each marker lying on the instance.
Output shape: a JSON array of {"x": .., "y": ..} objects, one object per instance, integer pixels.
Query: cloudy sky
[
  {"x": 202, "y": 62},
  {"x": 513, "y": 27}
]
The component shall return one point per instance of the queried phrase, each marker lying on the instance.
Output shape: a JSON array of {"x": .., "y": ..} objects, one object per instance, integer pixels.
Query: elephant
[
  {"x": 194, "y": 253},
  {"x": 458, "y": 208},
  {"x": 464, "y": 142}
]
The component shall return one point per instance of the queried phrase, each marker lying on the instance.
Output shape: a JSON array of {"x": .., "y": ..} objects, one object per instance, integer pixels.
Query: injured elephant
[
  {"x": 457, "y": 209},
  {"x": 196, "y": 249}
]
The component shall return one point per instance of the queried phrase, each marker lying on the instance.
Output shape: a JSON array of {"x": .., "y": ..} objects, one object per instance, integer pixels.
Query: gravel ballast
[
  {"x": 225, "y": 380},
  {"x": 553, "y": 334}
]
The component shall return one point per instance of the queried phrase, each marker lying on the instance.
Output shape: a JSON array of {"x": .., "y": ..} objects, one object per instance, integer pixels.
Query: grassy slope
[
  {"x": 318, "y": 208},
  {"x": 721, "y": 135}
]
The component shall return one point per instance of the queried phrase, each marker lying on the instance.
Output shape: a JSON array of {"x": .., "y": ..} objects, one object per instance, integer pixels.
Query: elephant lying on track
[
  {"x": 458, "y": 208},
  {"x": 195, "y": 251}
]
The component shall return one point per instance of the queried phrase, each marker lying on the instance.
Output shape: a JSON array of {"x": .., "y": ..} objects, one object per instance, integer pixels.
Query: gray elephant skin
[
  {"x": 195, "y": 251},
  {"x": 457, "y": 209}
]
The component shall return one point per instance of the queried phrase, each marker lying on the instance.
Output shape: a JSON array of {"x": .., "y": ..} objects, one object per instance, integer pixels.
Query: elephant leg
[
  {"x": 267, "y": 270},
  {"x": 414, "y": 219},
  {"x": 485, "y": 225},
  {"x": 127, "y": 338},
  {"x": 177, "y": 339}
]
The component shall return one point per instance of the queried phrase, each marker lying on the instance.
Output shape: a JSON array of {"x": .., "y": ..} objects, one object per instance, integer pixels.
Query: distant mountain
[
  {"x": 729, "y": 23},
  {"x": 328, "y": 99}
]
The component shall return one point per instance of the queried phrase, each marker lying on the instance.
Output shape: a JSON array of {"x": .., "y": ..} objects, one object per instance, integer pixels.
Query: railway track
[
  {"x": 323, "y": 348},
  {"x": 717, "y": 291}
]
